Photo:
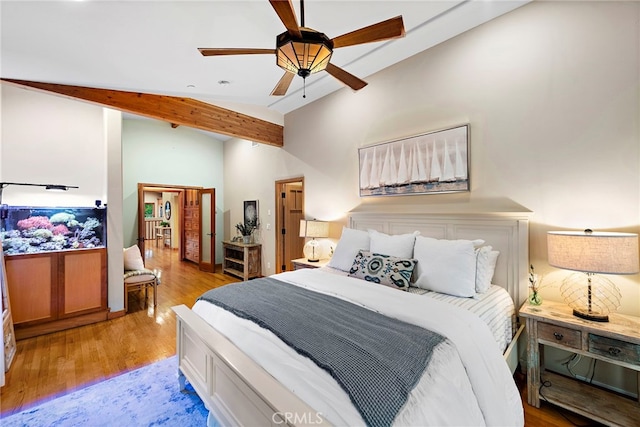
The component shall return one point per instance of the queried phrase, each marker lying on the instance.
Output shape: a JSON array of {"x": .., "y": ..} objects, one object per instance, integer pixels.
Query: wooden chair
[{"x": 138, "y": 280}]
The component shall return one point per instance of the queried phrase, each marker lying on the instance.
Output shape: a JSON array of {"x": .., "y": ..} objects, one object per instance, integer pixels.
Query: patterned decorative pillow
[{"x": 383, "y": 269}]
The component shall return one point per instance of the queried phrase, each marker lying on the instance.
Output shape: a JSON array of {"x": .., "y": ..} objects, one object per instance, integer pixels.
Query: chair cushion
[{"x": 137, "y": 276}]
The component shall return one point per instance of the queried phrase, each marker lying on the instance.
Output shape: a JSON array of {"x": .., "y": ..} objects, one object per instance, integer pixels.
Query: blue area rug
[{"x": 149, "y": 396}]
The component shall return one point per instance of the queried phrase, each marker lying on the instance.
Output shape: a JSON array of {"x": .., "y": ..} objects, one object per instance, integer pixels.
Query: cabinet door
[
  {"x": 192, "y": 233},
  {"x": 82, "y": 276},
  {"x": 33, "y": 292}
]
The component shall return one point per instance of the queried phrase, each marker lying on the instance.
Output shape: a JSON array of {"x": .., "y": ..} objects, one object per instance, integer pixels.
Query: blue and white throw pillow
[{"x": 383, "y": 269}]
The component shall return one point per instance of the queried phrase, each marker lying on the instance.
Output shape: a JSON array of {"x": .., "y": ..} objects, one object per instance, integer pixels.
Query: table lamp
[
  {"x": 593, "y": 253},
  {"x": 313, "y": 229}
]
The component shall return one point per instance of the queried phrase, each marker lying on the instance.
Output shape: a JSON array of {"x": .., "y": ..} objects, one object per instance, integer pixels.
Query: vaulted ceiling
[{"x": 152, "y": 46}]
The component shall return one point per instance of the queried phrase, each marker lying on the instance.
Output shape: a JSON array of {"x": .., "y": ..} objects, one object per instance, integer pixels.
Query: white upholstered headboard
[{"x": 505, "y": 232}]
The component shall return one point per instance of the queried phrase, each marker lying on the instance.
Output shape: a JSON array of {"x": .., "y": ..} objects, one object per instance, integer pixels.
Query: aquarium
[{"x": 29, "y": 230}]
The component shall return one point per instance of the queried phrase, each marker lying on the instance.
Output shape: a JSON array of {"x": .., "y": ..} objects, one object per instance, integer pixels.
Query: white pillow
[
  {"x": 350, "y": 243},
  {"x": 133, "y": 258},
  {"x": 446, "y": 266},
  {"x": 486, "y": 259},
  {"x": 399, "y": 245}
]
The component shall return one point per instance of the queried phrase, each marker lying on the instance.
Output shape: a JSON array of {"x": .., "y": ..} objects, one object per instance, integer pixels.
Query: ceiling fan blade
[
  {"x": 385, "y": 30},
  {"x": 234, "y": 51},
  {"x": 349, "y": 79},
  {"x": 283, "y": 85},
  {"x": 286, "y": 13}
]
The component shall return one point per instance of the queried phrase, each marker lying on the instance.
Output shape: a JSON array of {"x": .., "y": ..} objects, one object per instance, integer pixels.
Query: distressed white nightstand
[{"x": 616, "y": 342}]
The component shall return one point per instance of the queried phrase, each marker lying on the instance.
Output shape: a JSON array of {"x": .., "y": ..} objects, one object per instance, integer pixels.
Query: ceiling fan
[{"x": 303, "y": 51}]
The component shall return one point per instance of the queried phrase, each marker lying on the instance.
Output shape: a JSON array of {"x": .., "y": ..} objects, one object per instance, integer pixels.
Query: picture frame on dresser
[{"x": 432, "y": 162}]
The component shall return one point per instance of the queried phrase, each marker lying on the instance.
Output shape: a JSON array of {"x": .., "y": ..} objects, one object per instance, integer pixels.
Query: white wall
[
  {"x": 115, "y": 258},
  {"x": 47, "y": 139},
  {"x": 52, "y": 140},
  {"x": 155, "y": 153}
]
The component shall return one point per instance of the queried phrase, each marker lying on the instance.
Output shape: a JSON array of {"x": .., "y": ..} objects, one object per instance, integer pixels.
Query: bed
[{"x": 242, "y": 380}]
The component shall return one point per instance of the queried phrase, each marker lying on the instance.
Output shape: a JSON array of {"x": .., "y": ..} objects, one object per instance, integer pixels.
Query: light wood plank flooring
[{"x": 49, "y": 366}]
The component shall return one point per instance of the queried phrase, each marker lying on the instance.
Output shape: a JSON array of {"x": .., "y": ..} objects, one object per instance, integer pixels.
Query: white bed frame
[{"x": 237, "y": 391}]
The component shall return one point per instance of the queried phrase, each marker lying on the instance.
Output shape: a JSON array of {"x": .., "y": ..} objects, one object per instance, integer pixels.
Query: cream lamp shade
[
  {"x": 314, "y": 229},
  {"x": 592, "y": 253}
]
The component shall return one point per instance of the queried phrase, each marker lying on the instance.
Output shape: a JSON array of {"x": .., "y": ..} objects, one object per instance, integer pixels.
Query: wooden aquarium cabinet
[{"x": 52, "y": 291}]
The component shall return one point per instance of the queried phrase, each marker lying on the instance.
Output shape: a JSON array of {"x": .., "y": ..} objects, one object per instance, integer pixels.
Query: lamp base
[
  {"x": 591, "y": 316},
  {"x": 312, "y": 251}
]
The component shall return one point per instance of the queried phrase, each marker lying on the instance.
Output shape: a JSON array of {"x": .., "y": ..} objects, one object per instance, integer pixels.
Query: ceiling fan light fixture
[
  {"x": 303, "y": 56},
  {"x": 302, "y": 51}
]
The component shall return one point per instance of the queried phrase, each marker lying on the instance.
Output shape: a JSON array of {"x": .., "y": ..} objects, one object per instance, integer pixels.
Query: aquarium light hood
[{"x": 52, "y": 187}]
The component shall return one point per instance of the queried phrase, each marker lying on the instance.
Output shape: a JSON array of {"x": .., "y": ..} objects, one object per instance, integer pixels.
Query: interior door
[
  {"x": 141, "y": 224},
  {"x": 289, "y": 211},
  {"x": 207, "y": 198}
]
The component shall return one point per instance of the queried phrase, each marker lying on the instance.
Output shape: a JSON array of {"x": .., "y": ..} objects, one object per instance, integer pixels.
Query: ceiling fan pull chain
[{"x": 304, "y": 87}]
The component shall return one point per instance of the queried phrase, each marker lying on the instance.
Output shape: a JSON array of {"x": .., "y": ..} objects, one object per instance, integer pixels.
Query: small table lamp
[
  {"x": 591, "y": 253},
  {"x": 313, "y": 229}
]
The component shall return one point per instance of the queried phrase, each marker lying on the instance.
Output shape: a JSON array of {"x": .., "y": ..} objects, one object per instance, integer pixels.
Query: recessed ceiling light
[
  {"x": 191, "y": 86},
  {"x": 224, "y": 82}
]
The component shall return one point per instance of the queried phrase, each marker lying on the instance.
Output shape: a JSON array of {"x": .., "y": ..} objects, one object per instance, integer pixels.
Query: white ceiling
[{"x": 151, "y": 46}]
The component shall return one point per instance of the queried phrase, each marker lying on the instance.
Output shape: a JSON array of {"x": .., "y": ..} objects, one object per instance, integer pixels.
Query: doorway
[
  {"x": 160, "y": 217},
  {"x": 178, "y": 217},
  {"x": 289, "y": 212}
]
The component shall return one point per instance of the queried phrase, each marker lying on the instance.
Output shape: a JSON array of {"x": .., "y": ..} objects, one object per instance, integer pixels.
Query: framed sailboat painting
[{"x": 433, "y": 162}]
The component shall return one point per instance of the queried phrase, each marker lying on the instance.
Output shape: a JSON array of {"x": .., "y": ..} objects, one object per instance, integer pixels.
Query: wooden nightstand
[
  {"x": 301, "y": 263},
  {"x": 243, "y": 260},
  {"x": 616, "y": 342}
]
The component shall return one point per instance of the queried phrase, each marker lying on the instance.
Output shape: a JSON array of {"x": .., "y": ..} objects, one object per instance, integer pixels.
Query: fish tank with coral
[{"x": 31, "y": 230}]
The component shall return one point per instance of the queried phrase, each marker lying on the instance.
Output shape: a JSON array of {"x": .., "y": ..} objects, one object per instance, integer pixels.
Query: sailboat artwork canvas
[{"x": 434, "y": 162}]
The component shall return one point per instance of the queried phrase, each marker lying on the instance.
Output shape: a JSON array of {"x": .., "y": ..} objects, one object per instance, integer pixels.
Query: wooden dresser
[{"x": 192, "y": 226}]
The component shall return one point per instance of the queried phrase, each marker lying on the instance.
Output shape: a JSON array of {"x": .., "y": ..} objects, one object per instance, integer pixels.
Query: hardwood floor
[{"x": 49, "y": 366}]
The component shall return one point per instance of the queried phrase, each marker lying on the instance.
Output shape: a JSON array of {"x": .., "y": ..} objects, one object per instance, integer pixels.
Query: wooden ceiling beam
[{"x": 175, "y": 110}]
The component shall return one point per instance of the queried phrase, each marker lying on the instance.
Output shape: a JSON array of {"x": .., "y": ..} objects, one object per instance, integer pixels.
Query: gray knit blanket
[{"x": 376, "y": 359}]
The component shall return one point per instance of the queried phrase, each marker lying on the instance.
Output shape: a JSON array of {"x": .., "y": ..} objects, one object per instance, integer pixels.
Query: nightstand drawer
[
  {"x": 558, "y": 334},
  {"x": 300, "y": 263},
  {"x": 615, "y": 349}
]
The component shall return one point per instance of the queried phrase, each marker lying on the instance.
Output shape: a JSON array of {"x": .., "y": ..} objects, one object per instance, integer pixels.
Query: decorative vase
[
  {"x": 535, "y": 298},
  {"x": 246, "y": 239}
]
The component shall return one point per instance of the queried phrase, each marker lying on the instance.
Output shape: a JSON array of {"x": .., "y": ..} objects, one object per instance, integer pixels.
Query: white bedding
[
  {"x": 470, "y": 386},
  {"x": 495, "y": 307}
]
